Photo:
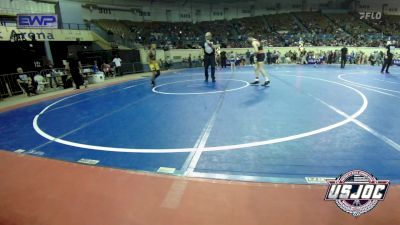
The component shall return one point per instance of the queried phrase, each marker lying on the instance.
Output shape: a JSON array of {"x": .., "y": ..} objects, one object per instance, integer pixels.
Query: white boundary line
[
  {"x": 201, "y": 144},
  {"x": 392, "y": 82},
  {"x": 198, "y": 93},
  {"x": 189, "y": 158},
  {"x": 374, "y": 90},
  {"x": 363, "y": 126},
  {"x": 248, "y": 178},
  {"x": 340, "y": 76},
  {"x": 364, "y": 87},
  {"x": 216, "y": 148}
]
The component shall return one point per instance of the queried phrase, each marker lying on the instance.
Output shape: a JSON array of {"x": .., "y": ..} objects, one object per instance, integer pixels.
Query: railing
[
  {"x": 76, "y": 26},
  {"x": 59, "y": 74},
  {"x": 57, "y": 71},
  {"x": 69, "y": 26},
  {"x": 87, "y": 26},
  {"x": 8, "y": 23},
  {"x": 10, "y": 87}
]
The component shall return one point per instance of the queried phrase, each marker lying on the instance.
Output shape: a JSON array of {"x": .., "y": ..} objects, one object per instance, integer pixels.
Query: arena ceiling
[{"x": 184, "y": 2}]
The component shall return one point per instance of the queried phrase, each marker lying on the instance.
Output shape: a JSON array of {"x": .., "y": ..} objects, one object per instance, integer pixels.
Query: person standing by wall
[
  {"x": 388, "y": 59},
  {"x": 269, "y": 60},
  {"x": 74, "y": 66},
  {"x": 343, "y": 58},
  {"x": 248, "y": 56},
  {"x": 223, "y": 59},
  {"x": 232, "y": 60},
  {"x": 190, "y": 61},
  {"x": 117, "y": 62}
]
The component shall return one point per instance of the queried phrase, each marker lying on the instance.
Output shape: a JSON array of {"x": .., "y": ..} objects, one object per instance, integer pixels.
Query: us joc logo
[{"x": 356, "y": 192}]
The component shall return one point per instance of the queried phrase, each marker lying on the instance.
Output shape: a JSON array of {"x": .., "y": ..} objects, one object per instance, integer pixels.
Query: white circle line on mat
[
  {"x": 214, "y": 148},
  {"x": 246, "y": 84}
]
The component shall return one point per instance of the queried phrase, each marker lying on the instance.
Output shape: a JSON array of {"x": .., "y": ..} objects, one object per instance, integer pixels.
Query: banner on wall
[
  {"x": 48, "y": 21},
  {"x": 12, "y": 34}
]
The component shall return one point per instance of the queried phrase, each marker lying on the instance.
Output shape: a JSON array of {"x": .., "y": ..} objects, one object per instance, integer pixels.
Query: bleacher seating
[
  {"x": 286, "y": 29},
  {"x": 351, "y": 24}
]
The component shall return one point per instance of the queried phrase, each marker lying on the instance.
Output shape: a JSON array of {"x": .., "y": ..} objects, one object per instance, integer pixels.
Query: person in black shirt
[
  {"x": 268, "y": 57},
  {"x": 223, "y": 59},
  {"x": 343, "y": 58},
  {"x": 74, "y": 66},
  {"x": 388, "y": 60},
  {"x": 190, "y": 61}
]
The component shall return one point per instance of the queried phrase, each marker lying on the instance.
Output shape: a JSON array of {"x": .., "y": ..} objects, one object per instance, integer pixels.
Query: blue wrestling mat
[{"x": 309, "y": 124}]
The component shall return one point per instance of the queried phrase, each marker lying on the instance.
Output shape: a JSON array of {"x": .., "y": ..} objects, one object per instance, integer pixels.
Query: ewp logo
[
  {"x": 37, "y": 21},
  {"x": 370, "y": 15}
]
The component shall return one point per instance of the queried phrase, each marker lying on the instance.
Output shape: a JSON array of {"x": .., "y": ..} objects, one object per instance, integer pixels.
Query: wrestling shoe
[
  {"x": 255, "y": 82},
  {"x": 266, "y": 83}
]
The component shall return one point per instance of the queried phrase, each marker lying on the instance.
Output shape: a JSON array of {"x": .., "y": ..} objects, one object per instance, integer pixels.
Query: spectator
[
  {"x": 107, "y": 70},
  {"x": 232, "y": 59},
  {"x": 223, "y": 59},
  {"x": 26, "y": 82},
  {"x": 51, "y": 75},
  {"x": 117, "y": 62},
  {"x": 372, "y": 59},
  {"x": 248, "y": 56},
  {"x": 40, "y": 81},
  {"x": 190, "y": 61},
  {"x": 95, "y": 68}
]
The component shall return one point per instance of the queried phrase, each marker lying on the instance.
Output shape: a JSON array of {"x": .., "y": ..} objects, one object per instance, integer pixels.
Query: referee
[
  {"x": 388, "y": 59},
  {"x": 343, "y": 58},
  {"x": 74, "y": 65},
  {"x": 209, "y": 57}
]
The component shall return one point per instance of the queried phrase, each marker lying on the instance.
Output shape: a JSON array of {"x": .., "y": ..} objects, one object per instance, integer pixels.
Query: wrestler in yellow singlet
[{"x": 153, "y": 64}]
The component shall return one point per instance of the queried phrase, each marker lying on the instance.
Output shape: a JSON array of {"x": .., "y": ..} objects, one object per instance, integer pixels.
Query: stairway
[
  {"x": 265, "y": 22},
  {"x": 299, "y": 22},
  {"x": 338, "y": 25},
  {"x": 378, "y": 29}
]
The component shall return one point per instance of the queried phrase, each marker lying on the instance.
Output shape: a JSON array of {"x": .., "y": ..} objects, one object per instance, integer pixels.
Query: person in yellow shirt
[{"x": 153, "y": 64}]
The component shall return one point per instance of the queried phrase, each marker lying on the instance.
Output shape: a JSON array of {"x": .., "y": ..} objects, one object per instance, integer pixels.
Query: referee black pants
[
  {"x": 386, "y": 66},
  {"x": 209, "y": 60},
  {"x": 343, "y": 62},
  {"x": 223, "y": 62},
  {"x": 77, "y": 77}
]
